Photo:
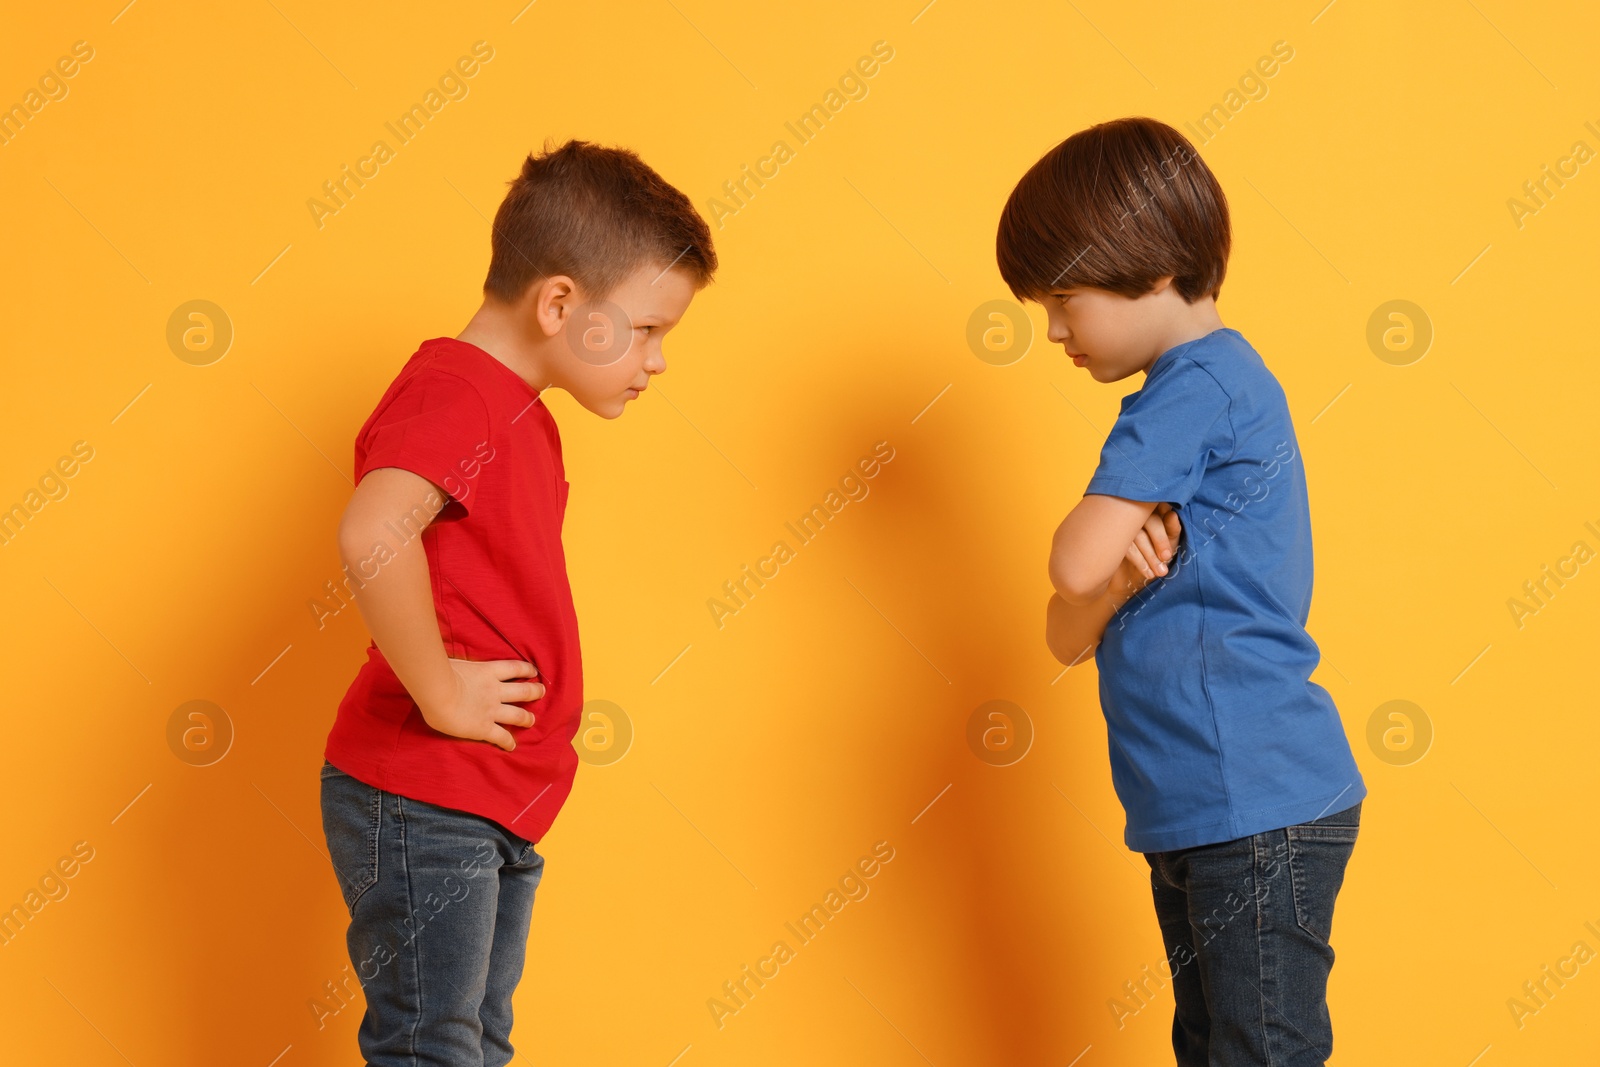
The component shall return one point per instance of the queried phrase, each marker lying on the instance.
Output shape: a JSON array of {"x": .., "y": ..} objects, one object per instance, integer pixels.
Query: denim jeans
[
  {"x": 440, "y": 901},
  {"x": 1246, "y": 925}
]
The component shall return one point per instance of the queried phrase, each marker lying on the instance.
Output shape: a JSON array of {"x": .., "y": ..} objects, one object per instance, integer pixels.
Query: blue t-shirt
[{"x": 1215, "y": 728}]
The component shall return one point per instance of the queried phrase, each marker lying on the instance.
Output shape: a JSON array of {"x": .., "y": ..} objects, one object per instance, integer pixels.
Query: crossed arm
[{"x": 1105, "y": 551}]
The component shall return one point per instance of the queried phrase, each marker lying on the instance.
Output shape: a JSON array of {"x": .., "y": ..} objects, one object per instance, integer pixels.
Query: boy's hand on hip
[
  {"x": 1155, "y": 543},
  {"x": 481, "y": 700}
]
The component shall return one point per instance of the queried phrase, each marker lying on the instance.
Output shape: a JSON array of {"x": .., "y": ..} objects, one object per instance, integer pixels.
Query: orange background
[{"x": 832, "y": 711}]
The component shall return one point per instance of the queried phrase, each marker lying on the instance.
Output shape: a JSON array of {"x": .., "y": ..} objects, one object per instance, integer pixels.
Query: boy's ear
[{"x": 552, "y": 301}]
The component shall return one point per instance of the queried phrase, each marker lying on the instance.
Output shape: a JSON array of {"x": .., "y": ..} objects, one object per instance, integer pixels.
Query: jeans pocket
[
  {"x": 1318, "y": 854},
  {"x": 531, "y": 859},
  {"x": 352, "y": 813}
]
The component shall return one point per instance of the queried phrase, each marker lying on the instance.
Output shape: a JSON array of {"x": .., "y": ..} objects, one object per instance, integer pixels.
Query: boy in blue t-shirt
[{"x": 1187, "y": 568}]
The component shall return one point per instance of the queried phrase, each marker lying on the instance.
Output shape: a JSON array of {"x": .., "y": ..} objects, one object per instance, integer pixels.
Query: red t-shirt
[{"x": 468, "y": 423}]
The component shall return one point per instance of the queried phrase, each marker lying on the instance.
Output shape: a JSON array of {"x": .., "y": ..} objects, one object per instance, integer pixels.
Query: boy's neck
[
  {"x": 1188, "y": 322},
  {"x": 500, "y": 329}
]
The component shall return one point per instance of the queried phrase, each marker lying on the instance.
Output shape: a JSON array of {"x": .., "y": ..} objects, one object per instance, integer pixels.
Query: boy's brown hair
[
  {"x": 1116, "y": 206},
  {"x": 597, "y": 215}
]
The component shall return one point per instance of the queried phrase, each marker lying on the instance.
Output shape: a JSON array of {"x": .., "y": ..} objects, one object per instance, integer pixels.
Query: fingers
[
  {"x": 1169, "y": 520},
  {"x": 1174, "y": 527},
  {"x": 520, "y": 691},
  {"x": 516, "y": 692},
  {"x": 1154, "y": 564},
  {"x": 513, "y": 715},
  {"x": 498, "y": 735},
  {"x": 1152, "y": 546},
  {"x": 505, "y": 669},
  {"x": 1156, "y": 529}
]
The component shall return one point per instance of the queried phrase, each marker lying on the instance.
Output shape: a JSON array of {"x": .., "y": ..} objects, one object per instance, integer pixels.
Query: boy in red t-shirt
[{"x": 439, "y": 774}]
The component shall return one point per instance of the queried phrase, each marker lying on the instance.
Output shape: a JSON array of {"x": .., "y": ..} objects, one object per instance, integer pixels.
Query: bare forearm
[
  {"x": 397, "y": 604},
  {"x": 1090, "y": 544},
  {"x": 1073, "y": 630}
]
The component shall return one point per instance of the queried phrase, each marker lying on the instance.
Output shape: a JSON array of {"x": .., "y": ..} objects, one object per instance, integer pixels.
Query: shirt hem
[
  {"x": 374, "y": 774},
  {"x": 1243, "y": 825},
  {"x": 1147, "y": 492}
]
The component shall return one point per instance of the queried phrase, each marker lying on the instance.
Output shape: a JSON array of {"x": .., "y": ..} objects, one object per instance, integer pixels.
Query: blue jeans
[
  {"x": 1246, "y": 925},
  {"x": 440, "y": 901}
]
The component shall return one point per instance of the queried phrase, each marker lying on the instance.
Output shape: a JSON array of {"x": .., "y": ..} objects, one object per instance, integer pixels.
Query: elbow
[
  {"x": 1053, "y": 643},
  {"x": 1073, "y": 658},
  {"x": 355, "y": 537},
  {"x": 1073, "y": 585},
  {"x": 1059, "y": 635}
]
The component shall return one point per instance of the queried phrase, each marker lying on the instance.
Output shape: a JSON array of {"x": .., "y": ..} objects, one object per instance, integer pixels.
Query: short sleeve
[
  {"x": 436, "y": 425},
  {"x": 1167, "y": 431}
]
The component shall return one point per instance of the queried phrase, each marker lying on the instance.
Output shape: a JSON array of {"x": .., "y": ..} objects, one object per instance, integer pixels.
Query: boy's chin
[{"x": 608, "y": 408}]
